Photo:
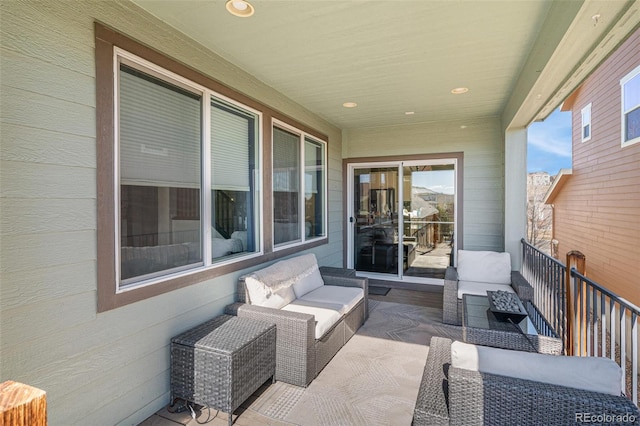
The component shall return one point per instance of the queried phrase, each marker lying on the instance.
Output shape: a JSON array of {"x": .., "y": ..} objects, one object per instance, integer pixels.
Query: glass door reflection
[
  {"x": 376, "y": 219},
  {"x": 428, "y": 218}
]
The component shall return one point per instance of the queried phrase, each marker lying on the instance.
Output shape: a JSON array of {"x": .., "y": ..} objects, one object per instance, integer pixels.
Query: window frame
[
  {"x": 583, "y": 112},
  {"x": 122, "y": 56},
  {"x": 623, "y": 114},
  {"x": 302, "y": 140},
  {"x": 107, "y": 181}
]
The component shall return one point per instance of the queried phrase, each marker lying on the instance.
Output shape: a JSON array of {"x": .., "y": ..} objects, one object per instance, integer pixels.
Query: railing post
[
  {"x": 575, "y": 259},
  {"x": 22, "y": 405}
]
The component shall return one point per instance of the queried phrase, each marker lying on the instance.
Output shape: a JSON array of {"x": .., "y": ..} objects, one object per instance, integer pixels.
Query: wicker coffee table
[
  {"x": 480, "y": 327},
  {"x": 221, "y": 362}
]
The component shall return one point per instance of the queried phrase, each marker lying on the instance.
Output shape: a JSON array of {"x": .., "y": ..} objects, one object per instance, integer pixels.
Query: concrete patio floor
[
  {"x": 243, "y": 416},
  {"x": 427, "y": 296}
]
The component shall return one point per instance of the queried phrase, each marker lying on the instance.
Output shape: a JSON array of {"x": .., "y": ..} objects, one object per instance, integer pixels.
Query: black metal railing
[
  {"x": 606, "y": 325},
  {"x": 601, "y": 323},
  {"x": 547, "y": 277}
]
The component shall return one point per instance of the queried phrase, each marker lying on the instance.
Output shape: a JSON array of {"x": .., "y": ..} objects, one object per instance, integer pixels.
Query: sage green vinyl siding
[{"x": 112, "y": 367}]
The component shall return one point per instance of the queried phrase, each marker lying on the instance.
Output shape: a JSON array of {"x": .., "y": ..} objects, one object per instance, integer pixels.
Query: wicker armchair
[
  {"x": 452, "y": 303},
  {"x": 456, "y": 396},
  {"x": 299, "y": 355}
]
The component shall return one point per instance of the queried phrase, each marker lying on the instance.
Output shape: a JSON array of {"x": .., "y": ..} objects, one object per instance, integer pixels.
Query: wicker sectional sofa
[
  {"x": 461, "y": 396},
  {"x": 315, "y": 313}
]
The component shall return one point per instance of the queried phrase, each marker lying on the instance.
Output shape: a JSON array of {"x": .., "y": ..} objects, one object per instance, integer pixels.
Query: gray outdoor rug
[{"x": 373, "y": 380}]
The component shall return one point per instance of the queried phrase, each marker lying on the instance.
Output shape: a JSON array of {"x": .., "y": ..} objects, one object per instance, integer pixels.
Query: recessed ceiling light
[
  {"x": 459, "y": 90},
  {"x": 240, "y": 8},
  {"x": 409, "y": 113},
  {"x": 349, "y": 104},
  {"x": 463, "y": 126}
]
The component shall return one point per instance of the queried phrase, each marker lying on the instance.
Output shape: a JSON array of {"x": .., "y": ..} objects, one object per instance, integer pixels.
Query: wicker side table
[{"x": 221, "y": 362}]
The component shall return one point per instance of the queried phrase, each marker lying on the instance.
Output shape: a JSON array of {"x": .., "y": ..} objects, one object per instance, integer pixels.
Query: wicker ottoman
[{"x": 222, "y": 362}]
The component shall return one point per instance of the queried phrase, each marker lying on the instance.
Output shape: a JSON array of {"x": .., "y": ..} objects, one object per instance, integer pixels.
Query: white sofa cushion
[
  {"x": 484, "y": 266},
  {"x": 309, "y": 279},
  {"x": 480, "y": 289},
  {"x": 594, "y": 374},
  {"x": 345, "y": 297},
  {"x": 326, "y": 314},
  {"x": 262, "y": 295}
]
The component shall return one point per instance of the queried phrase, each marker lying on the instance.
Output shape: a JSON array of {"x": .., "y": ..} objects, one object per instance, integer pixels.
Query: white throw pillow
[
  {"x": 484, "y": 266},
  {"x": 594, "y": 374},
  {"x": 262, "y": 295}
]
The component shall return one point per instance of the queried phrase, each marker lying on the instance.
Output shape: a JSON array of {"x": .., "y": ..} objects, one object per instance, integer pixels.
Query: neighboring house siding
[
  {"x": 598, "y": 211},
  {"x": 111, "y": 367},
  {"x": 483, "y": 187}
]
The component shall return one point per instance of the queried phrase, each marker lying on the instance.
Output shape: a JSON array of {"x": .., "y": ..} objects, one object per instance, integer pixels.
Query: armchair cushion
[
  {"x": 480, "y": 288},
  {"x": 344, "y": 297},
  {"x": 484, "y": 266},
  {"x": 595, "y": 374}
]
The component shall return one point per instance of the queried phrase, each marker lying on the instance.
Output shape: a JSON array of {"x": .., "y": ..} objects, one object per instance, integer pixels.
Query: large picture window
[
  {"x": 314, "y": 188},
  {"x": 160, "y": 155},
  {"x": 180, "y": 167},
  {"x": 631, "y": 107},
  {"x": 234, "y": 223},
  {"x": 165, "y": 196},
  {"x": 299, "y": 207}
]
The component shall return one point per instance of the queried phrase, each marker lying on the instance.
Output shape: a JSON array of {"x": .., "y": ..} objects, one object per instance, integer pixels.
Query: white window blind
[
  {"x": 160, "y": 132},
  {"x": 313, "y": 166},
  {"x": 286, "y": 159},
  {"x": 229, "y": 148}
]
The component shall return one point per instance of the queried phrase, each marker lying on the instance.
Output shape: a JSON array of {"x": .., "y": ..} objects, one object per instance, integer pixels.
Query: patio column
[{"x": 515, "y": 193}]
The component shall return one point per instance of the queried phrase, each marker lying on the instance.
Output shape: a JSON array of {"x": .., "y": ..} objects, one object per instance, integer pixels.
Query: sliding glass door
[
  {"x": 429, "y": 218},
  {"x": 402, "y": 218},
  {"x": 375, "y": 218}
]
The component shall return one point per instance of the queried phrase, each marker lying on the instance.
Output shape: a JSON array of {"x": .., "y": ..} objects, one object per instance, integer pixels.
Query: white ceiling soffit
[{"x": 390, "y": 57}]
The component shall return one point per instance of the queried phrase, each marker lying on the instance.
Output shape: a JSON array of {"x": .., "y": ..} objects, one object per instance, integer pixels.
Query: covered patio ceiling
[{"x": 398, "y": 57}]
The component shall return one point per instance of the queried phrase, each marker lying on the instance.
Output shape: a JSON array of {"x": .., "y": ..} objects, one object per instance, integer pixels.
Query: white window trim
[
  {"x": 123, "y": 56},
  {"x": 301, "y": 205},
  {"x": 623, "y": 81},
  {"x": 586, "y": 109}
]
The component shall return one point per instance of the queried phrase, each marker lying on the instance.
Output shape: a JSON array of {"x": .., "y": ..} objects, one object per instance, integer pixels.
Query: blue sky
[{"x": 549, "y": 144}]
